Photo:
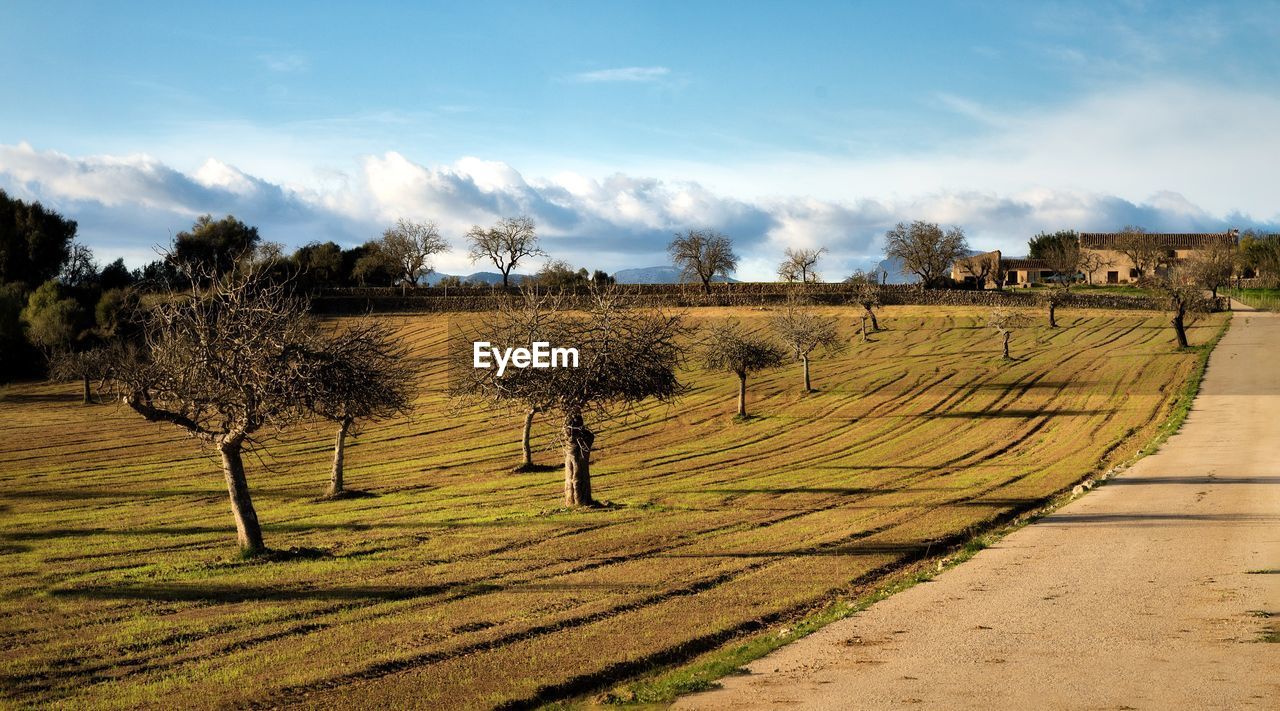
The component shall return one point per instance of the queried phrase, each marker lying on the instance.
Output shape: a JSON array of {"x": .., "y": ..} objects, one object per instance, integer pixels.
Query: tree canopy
[
  {"x": 34, "y": 241},
  {"x": 213, "y": 246},
  {"x": 926, "y": 250},
  {"x": 703, "y": 255}
]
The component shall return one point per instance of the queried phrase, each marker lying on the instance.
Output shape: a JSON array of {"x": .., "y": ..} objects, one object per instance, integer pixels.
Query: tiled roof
[
  {"x": 1164, "y": 240},
  {"x": 1024, "y": 263}
]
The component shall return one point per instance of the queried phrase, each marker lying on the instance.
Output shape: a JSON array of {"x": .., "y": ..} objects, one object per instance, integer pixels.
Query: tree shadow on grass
[
  {"x": 29, "y": 398},
  {"x": 897, "y": 549},
  {"x": 536, "y": 468},
  {"x": 174, "y": 592}
]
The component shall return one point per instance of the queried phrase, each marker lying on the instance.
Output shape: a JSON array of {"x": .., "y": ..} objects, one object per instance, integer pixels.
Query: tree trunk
[
  {"x": 339, "y": 451},
  {"x": 504, "y": 280},
  {"x": 805, "y": 361},
  {"x": 88, "y": 395},
  {"x": 248, "y": 532},
  {"x": 875, "y": 324},
  {"x": 706, "y": 286},
  {"x": 577, "y": 462},
  {"x": 1179, "y": 327},
  {"x": 742, "y": 394},
  {"x": 1006, "y": 345},
  {"x": 524, "y": 439},
  {"x": 1053, "y": 316}
]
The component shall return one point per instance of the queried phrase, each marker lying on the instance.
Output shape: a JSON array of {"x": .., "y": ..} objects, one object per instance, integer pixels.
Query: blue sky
[{"x": 616, "y": 124}]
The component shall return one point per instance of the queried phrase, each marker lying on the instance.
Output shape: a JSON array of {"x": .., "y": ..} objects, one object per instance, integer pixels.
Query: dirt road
[{"x": 1151, "y": 592}]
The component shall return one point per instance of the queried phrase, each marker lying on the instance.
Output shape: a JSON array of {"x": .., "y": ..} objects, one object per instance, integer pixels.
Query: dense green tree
[
  {"x": 320, "y": 264},
  {"x": 1045, "y": 244},
  {"x": 51, "y": 319},
  {"x": 34, "y": 241},
  {"x": 369, "y": 265},
  {"x": 214, "y": 245},
  {"x": 13, "y": 347},
  {"x": 115, "y": 276}
]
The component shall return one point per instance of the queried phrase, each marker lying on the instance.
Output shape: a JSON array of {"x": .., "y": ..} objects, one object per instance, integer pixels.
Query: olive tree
[
  {"x": 506, "y": 244},
  {"x": 925, "y": 249},
  {"x": 408, "y": 246},
  {"x": 360, "y": 373},
  {"x": 625, "y": 355},
  {"x": 1183, "y": 300},
  {"x": 228, "y": 364},
  {"x": 866, "y": 293},
  {"x": 798, "y": 265},
  {"x": 1211, "y": 268},
  {"x": 1005, "y": 322},
  {"x": 731, "y": 348},
  {"x": 703, "y": 255},
  {"x": 804, "y": 332}
]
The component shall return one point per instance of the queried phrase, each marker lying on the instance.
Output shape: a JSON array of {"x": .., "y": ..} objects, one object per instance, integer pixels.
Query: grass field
[
  {"x": 463, "y": 585},
  {"x": 1265, "y": 299}
]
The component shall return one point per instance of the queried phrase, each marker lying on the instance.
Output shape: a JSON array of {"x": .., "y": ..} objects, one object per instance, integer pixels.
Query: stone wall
[{"x": 347, "y": 301}]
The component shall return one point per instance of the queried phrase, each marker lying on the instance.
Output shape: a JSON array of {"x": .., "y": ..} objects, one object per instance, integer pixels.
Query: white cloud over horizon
[
  {"x": 126, "y": 205},
  {"x": 1166, "y": 156}
]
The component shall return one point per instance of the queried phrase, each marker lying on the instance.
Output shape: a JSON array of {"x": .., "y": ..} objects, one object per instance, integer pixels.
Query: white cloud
[
  {"x": 285, "y": 62},
  {"x": 1169, "y": 157},
  {"x": 623, "y": 74}
]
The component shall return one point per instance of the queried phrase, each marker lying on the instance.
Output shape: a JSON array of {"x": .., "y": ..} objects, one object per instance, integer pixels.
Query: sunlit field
[{"x": 460, "y": 584}]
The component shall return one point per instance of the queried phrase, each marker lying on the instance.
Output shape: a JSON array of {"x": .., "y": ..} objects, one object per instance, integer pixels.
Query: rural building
[
  {"x": 1107, "y": 258},
  {"x": 990, "y": 269},
  {"x": 1115, "y": 267}
]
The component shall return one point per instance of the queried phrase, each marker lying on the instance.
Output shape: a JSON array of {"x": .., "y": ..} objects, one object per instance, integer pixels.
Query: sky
[{"x": 615, "y": 125}]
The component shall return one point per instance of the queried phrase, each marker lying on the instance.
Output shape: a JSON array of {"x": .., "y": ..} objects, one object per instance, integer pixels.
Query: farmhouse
[
  {"x": 1119, "y": 253},
  {"x": 991, "y": 269},
  {"x": 1111, "y": 258}
]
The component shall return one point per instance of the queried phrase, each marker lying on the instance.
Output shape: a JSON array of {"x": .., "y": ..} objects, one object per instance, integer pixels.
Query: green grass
[
  {"x": 467, "y": 585},
  {"x": 1264, "y": 299}
]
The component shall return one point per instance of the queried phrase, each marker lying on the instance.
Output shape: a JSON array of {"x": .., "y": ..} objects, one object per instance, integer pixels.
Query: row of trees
[{"x": 235, "y": 358}]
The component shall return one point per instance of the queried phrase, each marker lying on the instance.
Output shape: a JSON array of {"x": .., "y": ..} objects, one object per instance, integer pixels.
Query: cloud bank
[{"x": 127, "y": 204}]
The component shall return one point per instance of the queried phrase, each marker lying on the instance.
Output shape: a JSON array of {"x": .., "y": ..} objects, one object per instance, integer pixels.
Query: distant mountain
[{"x": 653, "y": 275}]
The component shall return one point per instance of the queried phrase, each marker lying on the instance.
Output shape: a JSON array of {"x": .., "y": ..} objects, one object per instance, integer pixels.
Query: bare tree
[
  {"x": 1091, "y": 262},
  {"x": 361, "y": 373},
  {"x": 408, "y": 246},
  {"x": 505, "y": 244},
  {"x": 804, "y": 332},
  {"x": 625, "y": 356},
  {"x": 84, "y": 366},
  {"x": 1184, "y": 301},
  {"x": 531, "y": 318},
  {"x": 1052, "y": 298},
  {"x": 730, "y": 347},
  {"x": 1145, "y": 253},
  {"x": 925, "y": 249},
  {"x": 1064, "y": 258},
  {"x": 703, "y": 255},
  {"x": 799, "y": 263},
  {"x": 1212, "y": 267},
  {"x": 225, "y": 363},
  {"x": 1005, "y": 322},
  {"x": 866, "y": 293}
]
